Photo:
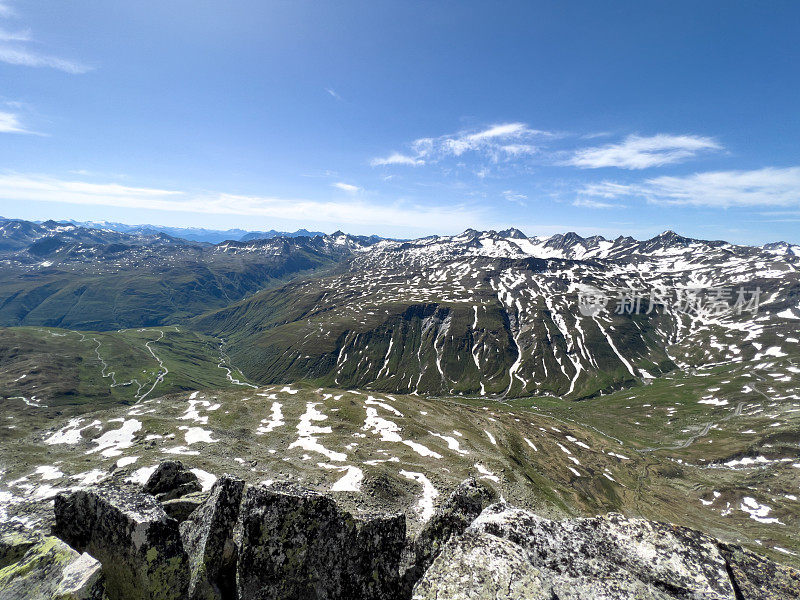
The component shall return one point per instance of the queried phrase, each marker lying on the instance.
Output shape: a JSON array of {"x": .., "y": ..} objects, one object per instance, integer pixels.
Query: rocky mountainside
[
  {"x": 198, "y": 234},
  {"x": 487, "y": 313},
  {"x": 363, "y": 380},
  {"x": 16, "y": 234},
  {"x": 279, "y": 541},
  {"x": 58, "y": 275}
]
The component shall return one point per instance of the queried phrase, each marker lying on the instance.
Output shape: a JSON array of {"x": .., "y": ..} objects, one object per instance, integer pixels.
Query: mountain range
[{"x": 575, "y": 375}]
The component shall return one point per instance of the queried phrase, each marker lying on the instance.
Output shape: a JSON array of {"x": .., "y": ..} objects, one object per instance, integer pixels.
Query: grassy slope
[
  {"x": 147, "y": 292},
  {"x": 69, "y": 372},
  {"x": 605, "y": 440}
]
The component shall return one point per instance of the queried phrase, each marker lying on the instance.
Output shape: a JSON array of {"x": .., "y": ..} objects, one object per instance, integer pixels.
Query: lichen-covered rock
[
  {"x": 46, "y": 568},
  {"x": 208, "y": 537},
  {"x": 299, "y": 544},
  {"x": 374, "y": 558},
  {"x": 171, "y": 480},
  {"x": 15, "y": 541},
  {"x": 130, "y": 534},
  {"x": 603, "y": 558},
  {"x": 464, "y": 504},
  {"x": 476, "y": 566},
  {"x": 683, "y": 562},
  {"x": 756, "y": 578},
  {"x": 181, "y": 508}
]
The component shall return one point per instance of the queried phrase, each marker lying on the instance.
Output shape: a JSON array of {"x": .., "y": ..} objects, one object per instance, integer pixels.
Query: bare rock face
[
  {"x": 15, "y": 541},
  {"x": 756, "y": 578},
  {"x": 298, "y": 544},
  {"x": 474, "y": 566},
  {"x": 603, "y": 558},
  {"x": 208, "y": 537},
  {"x": 461, "y": 508},
  {"x": 171, "y": 480},
  {"x": 37, "y": 566},
  {"x": 130, "y": 534},
  {"x": 592, "y": 553}
]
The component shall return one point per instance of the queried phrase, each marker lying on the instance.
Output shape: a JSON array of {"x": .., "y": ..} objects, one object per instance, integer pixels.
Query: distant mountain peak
[{"x": 514, "y": 233}]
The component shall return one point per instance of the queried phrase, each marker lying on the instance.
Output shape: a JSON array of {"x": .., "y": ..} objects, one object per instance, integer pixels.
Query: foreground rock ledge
[
  {"x": 299, "y": 544},
  {"x": 282, "y": 542},
  {"x": 38, "y": 566},
  {"x": 138, "y": 545},
  {"x": 509, "y": 553}
]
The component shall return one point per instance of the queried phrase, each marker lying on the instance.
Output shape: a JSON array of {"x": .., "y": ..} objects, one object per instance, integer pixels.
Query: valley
[{"x": 389, "y": 372}]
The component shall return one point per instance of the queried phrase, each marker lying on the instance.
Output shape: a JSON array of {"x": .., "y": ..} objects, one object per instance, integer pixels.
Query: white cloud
[
  {"x": 14, "y": 49},
  {"x": 22, "y": 57},
  {"x": 519, "y": 149},
  {"x": 396, "y": 159},
  {"x": 769, "y": 186},
  {"x": 351, "y": 212},
  {"x": 9, "y": 123},
  {"x": 333, "y": 93},
  {"x": 346, "y": 187},
  {"x": 516, "y": 197},
  {"x": 638, "y": 152},
  {"x": 590, "y": 203},
  {"x": 15, "y": 36},
  {"x": 504, "y": 141}
]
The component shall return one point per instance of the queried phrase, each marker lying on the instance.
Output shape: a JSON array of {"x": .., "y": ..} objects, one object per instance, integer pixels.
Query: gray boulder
[
  {"x": 171, "y": 480},
  {"x": 130, "y": 534},
  {"x": 603, "y": 558},
  {"x": 208, "y": 537},
  {"x": 474, "y": 566},
  {"x": 667, "y": 558},
  {"x": 43, "y": 567},
  {"x": 298, "y": 544},
  {"x": 461, "y": 508}
]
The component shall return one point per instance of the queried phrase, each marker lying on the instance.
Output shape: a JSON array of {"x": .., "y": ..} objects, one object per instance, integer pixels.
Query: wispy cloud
[
  {"x": 637, "y": 152},
  {"x": 504, "y": 141},
  {"x": 591, "y": 203},
  {"x": 346, "y": 187},
  {"x": 413, "y": 216},
  {"x": 23, "y": 57},
  {"x": 15, "y": 36},
  {"x": 762, "y": 187},
  {"x": 515, "y": 197},
  {"x": 10, "y": 123},
  {"x": 397, "y": 159},
  {"x": 14, "y": 49},
  {"x": 333, "y": 94}
]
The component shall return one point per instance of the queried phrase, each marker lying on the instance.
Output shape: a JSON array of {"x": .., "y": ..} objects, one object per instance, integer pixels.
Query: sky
[{"x": 406, "y": 118}]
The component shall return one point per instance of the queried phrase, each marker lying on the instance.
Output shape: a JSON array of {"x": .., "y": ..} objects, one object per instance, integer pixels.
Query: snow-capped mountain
[
  {"x": 782, "y": 248},
  {"x": 500, "y": 313}
]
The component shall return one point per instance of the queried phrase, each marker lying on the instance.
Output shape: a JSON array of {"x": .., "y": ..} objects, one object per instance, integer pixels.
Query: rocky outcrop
[
  {"x": 476, "y": 567},
  {"x": 506, "y": 551},
  {"x": 756, "y": 578},
  {"x": 171, "y": 480},
  {"x": 15, "y": 541},
  {"x": 282, "y": 542},
  {"x": 130, "y": 534},
  {"x": 37, "y": 566},
  {"x": 208, "y": 537},
  {"x": 299, "y": 544},
  {"x": 181, "y": 508},
  {"x": 461, "y": 508}
]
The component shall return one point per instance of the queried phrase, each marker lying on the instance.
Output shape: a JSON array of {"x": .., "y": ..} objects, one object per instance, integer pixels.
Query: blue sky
[{"x": 405, "y": 118}]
